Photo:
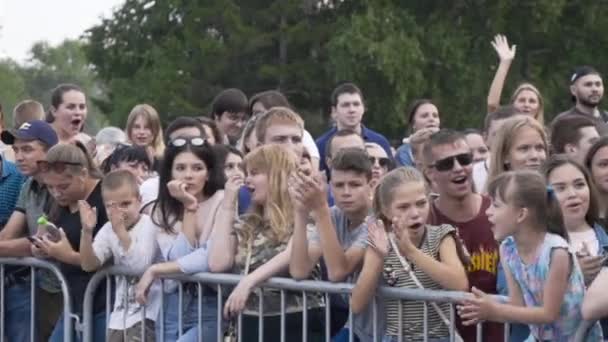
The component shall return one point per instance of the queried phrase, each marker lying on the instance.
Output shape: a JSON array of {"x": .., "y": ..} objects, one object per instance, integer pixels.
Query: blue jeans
[
  {"x": 189, "y": 318},
  {"x": 99, "y": 329},
  {"x": 17, "y": 302}
]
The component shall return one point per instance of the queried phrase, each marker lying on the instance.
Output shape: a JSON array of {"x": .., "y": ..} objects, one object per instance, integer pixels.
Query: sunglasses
[
  {"x": 382, "y": 161},
  {"x": 58, "y": 166},
  {"x": 180, "y": 142},
  {"x": 447, "y": 164}
]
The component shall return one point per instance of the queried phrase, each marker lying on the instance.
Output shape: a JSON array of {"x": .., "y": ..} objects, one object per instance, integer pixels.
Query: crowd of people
[{"x": 517, "y": 208}]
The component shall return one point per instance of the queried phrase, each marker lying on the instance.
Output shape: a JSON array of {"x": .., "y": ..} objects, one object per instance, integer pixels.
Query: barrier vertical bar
[
  {"x": 261, "y": 316},
  {"x": 479, "y": 332},
  {"x": 162, "y": 310},
  {"x": 143, "y": 323},
  {"x": 239, "y": 327},
  {"x": 400, "y": 315},
  {"x": 351, "y": 336},
  {"x": 507, "y": 332},
  {"x": 282, "y": 316},
  {"x": 126, "y": 304},
  {"x": 304, "y": 317},
  {"x": 219, "y": 313},
  {"x": 180, "y": 308},
  {"x": 327, "y": 318},
  {"x": 452, "y": 328},
  {"x": 375, "y": 318},
  {"x": 3, "y": 299},
  {"x": 32, "y": 303},
  {"x": 108, "y": 301},
  {"x": 199, "y": 324},
  {"x": 425, "y": 323}
]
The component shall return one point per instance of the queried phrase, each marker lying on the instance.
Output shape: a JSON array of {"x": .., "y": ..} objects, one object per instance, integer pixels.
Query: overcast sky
[{"x": 24, "y": 22}]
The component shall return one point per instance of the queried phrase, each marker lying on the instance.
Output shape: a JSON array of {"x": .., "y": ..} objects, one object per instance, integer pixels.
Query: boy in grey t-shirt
[{"x": 339, "y": 234}]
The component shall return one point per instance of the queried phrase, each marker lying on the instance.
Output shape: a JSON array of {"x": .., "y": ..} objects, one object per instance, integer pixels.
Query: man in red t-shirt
[{"x": 448, "y": 164}]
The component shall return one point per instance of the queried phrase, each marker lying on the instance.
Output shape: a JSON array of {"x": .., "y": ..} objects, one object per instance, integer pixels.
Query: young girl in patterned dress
[{"x": 546, "y": 285}]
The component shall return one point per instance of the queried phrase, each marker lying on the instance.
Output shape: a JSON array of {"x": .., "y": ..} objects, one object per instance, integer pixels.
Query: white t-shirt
[
  {"x": 149, "y": 190},
  {"x": 480, "y": 175},
  {"x": 310, "y": 145},
  {"x": 143, "y": 252},
  {"x": 587, "y": 237}
]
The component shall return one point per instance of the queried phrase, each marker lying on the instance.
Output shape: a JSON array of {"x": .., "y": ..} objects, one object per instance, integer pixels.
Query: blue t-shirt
[
  {"x": 11, "y": 182},
  {"x": 367, "y": 134}
]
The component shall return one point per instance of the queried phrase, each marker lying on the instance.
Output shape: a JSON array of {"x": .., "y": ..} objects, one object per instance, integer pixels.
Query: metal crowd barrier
[
  {"x": 282, "y": 284},
  {"x": 34, "y": 263}
]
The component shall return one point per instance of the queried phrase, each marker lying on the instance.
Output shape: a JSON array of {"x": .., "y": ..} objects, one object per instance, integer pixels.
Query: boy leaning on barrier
[
  {"x": 128, "y": 238},
  {"x": 30, "y": 142},
  {"x": 340, "y": 235}
]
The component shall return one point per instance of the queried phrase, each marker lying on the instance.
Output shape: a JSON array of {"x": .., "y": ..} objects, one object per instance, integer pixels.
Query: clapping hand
[{"x": 378, "y": 238}]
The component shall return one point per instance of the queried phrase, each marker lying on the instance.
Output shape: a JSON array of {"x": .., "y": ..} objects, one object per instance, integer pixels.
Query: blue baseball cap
[{"x": 32, "y": 130}]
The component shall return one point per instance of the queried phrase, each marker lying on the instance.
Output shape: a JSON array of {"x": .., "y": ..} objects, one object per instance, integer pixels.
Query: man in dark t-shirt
[
  {"x": 587, "y": 90},
  {"x": 449, "y": 162}
]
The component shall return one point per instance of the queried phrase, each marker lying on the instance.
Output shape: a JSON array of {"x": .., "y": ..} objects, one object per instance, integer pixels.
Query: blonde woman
[
  {"x": 259, "y": 243},
  {"x": 521, "y": 144},
  {"x": 144, "y": 129},
  {"x": 526, "y": 98}
]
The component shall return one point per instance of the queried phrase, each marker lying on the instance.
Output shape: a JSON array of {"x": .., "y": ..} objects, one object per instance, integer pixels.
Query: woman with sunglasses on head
[
  {"x": 257, "y": 245},
  {"x": 68, "y": 111},
  {"x": 70, "y": 176},
  {"x": 521, "y": 144},
  {"x": 190, "y": 193},
  {"x": 423, "y": 120},
  {"x": 381, "y": 163}
]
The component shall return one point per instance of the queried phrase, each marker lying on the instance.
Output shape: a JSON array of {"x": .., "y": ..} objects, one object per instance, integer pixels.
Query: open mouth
[
  {"x": 415, "y": 226},
  {"x": 76, "y": 122},
  {"x": 459, "y": 180}
]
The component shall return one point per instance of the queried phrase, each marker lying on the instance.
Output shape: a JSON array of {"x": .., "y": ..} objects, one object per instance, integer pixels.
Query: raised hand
[
  {"x": 378, "y": 239},
  {"x": 88, "y": 216},
  {"x": 501, "y": 45},
  {"x": 177, "y": 190}
]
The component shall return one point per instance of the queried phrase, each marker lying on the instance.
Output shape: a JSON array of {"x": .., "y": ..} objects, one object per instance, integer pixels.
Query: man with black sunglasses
[
  {"x": 30, "y": 143},
  {"x": 448, "y": 164}
]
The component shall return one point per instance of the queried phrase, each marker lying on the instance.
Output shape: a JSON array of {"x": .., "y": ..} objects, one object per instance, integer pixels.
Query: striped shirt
[
  {"x": 413, "y": 317},
  {"x": 11, "y": 181}
]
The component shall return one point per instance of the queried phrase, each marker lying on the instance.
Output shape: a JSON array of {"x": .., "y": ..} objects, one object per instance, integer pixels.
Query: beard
[{"x": 589, "y": 103}]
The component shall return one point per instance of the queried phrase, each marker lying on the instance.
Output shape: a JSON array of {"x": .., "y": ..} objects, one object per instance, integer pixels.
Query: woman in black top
[{"x": 71, "y": 175}]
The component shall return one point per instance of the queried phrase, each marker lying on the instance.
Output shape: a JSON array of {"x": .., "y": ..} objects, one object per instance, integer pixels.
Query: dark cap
[
  {"x": 582, "y": 71},
  {"x": 32, "y": 130}
]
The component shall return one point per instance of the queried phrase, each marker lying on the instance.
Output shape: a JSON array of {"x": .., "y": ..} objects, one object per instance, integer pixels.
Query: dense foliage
[{"x": 177, "y": 54}]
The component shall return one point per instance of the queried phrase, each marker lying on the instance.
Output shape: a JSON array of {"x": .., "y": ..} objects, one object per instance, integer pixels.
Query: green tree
[
  {"x": 178, "y": 54},
  {"x": 13, "y": 87},
  {"x": 65, "y": 63}
]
